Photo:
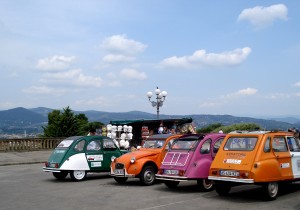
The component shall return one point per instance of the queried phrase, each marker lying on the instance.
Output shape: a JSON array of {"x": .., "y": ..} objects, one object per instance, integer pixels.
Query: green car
[{"x": 79, "y": 155}]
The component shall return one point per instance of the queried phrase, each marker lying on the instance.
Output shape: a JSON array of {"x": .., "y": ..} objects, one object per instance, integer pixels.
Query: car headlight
[
  {"x": 113, "y": 158},
  {"x": 132, "y": 160}
]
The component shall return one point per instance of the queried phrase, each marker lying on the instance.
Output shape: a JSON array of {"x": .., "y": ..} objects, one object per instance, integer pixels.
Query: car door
[
  {"x": 295, "y": 153},
  {"x": 94, "y": 155},
  {"x": 283, "y": 156},
  {"x": 109, "y": 149},
  {"x": 216, "y": 147}
]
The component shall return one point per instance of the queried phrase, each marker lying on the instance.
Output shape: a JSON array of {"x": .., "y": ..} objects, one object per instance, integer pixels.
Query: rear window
[
  {"x": 65, "y": 143},
  {"x": 240, "y": 143},
  {"x": 185, "y": 143}
]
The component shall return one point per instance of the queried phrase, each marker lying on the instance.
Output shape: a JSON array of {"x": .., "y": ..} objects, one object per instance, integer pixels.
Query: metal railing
[{"x": 27, "y": 144}]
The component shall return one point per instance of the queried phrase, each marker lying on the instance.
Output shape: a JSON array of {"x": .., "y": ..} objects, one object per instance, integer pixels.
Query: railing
[{"x": 29, "y": 144}]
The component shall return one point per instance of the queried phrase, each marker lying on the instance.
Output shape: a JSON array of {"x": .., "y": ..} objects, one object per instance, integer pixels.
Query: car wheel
[
  {"x": 78, "y": 175},
  {"x": 270, "y": 190},
  {"x": 121, "y": 180},
  {"x": 222, "y": 189},
  {"x": 60, "y": 175},
  {"x": 172, "y": 184},
  {"x": 147, "y": 175},
  {"x": 205, "y": 185}
]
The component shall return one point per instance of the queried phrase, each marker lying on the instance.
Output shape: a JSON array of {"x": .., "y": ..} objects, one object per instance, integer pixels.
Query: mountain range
[{"x": 18, "y": 120}]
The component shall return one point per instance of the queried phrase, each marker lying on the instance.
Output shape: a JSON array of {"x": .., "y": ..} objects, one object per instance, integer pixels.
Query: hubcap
[
  {"x": 149, "y": 176},
  {"x": 207, "y": 184},
  {"x": 273, "y": 189},
  {"x": 79, "y": 174}
]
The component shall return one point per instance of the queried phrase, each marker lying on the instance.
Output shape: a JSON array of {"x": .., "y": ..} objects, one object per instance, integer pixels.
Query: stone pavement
[{"x": 16, "y": 158}]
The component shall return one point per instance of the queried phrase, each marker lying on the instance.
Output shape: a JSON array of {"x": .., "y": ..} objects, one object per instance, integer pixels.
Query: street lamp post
[{"x": 160, "y": 98}]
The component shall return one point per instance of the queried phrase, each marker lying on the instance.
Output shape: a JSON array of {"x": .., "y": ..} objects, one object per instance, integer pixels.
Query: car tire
[
  {"x": 121, "y": 180},
  {"x": 147, "y": 176},
  {"x": 205, "y": 185},
  {"x": 270, "y": 190},
  {"x": 60, "y": 175},
  {"x": 222, "y": 189},
  {"x": 172, "y": 184},
  {"x": 78, "y": 175}
]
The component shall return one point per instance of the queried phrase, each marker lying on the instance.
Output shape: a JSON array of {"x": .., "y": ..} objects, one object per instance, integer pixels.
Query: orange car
[
  {"x": 144, "y": 162},
  {"x": 264, "y": 158}
]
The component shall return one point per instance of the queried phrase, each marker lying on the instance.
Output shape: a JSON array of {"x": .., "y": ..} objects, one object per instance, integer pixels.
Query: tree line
[{"x": 66, "y": 123}]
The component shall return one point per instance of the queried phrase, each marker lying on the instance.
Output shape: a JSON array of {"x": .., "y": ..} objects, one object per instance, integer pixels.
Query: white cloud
[
  {"x": 201, "y": 58},
  {"x": 264, "y": 16},
  {"x": 44, "y": 90},
  {"x": 240, "y": 93},
  {"x": 55, "y": 63},
  {"x": 119, "y": 44},
  {"x": 297, "y": 84},
  {"x": 247, "y": 91},
  {"x": 95, "y": 102},
  {"x": 276, "y": 96},
  {"x": 133, "y": 74},
  {"x": 74, "y": 77},
  {"x": 113, "y": 58}
]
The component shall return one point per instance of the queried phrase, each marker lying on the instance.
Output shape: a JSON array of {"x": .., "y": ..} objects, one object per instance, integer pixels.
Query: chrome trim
[
  {"x": 112, "y": 173},
  {"x": 231, "y": 179},
  {"x": 171, "y": 178},
  {"x": 51, "y": 170}
]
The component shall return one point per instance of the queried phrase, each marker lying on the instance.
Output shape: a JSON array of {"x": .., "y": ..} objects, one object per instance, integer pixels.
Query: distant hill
[
  {"x": 21, "y": 114},
  {"x": 20, "y": 119},
  {"x": 42, "y": 111}
]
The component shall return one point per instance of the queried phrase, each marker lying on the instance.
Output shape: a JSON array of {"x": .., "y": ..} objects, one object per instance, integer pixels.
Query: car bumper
[
  {"x": 55, "y": 170},
  {"x": 231, "y": 179},
  {"x": 171, "y": 178},
  {"x": 121, "y": 174}
]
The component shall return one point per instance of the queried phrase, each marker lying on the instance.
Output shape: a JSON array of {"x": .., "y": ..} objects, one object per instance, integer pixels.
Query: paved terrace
[{"x": 16, "y": 158}]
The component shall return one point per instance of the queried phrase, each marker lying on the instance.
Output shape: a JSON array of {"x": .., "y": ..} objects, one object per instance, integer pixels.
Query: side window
[
  {"x": 94, "y": 145},
  {"x": 279, "y": 145},
  {"x": 109, "y": 145},
  {"x": 79, "y": 146},
  {"x": 293, "y": 144},
  {"x": 169, "y": 144},
  {"x": 205, "y": 148},
  {"x": 267, "y": 147},
  {"x": 217, "y": 145}
]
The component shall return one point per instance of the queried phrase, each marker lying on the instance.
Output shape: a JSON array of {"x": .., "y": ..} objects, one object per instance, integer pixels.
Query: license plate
[
  {"x": 229, "y": 173},
  {"x": 171, "y": 172},
  {"x": 119, "y": 171}
]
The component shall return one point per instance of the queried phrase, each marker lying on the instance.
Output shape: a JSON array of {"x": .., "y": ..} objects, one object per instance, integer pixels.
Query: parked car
[
  {"x": 263, "y": 158},
  {"x": 189, "y": 158},
  {"x": 79, "y": 155},
  {"x": 144, "y": 162}
]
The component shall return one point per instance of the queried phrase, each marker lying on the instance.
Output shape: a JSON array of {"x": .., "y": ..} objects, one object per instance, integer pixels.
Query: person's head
[{"x": 92, "y": 131}]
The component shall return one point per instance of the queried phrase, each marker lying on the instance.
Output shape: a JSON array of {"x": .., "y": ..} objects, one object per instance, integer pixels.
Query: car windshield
[
  {"x": 184, "y": 144},
  {"x": 240, "y": 143},
  {"x": 151, "y": 143}
]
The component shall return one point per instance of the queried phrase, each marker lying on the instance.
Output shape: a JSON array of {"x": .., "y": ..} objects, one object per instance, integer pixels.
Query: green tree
[
  {"x": 66, "y": 123},
  {"x": 214, "y": 128},
  {"x": 209, "y": 128},
  {"x": 239, "y": 127}
]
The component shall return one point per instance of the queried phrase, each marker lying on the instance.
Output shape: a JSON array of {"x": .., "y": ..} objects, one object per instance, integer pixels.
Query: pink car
[{"x": 189, "y": 158}]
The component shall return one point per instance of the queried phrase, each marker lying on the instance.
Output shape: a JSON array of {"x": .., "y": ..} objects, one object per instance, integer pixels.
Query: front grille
[{"x": 119, "y": 166}]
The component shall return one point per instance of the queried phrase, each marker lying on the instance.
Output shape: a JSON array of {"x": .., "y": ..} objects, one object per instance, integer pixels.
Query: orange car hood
[{"x": 138, "y": 154}]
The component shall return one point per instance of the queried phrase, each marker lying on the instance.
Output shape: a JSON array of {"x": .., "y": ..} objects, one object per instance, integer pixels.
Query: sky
[{"x": 214, "y": 57}]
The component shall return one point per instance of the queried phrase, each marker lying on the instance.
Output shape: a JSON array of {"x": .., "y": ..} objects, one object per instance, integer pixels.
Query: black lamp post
[{"x": 160, "y": 98}]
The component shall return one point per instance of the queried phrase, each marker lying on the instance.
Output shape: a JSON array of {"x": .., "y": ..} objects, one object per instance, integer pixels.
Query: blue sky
[{"x": 212, "y": 57}]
